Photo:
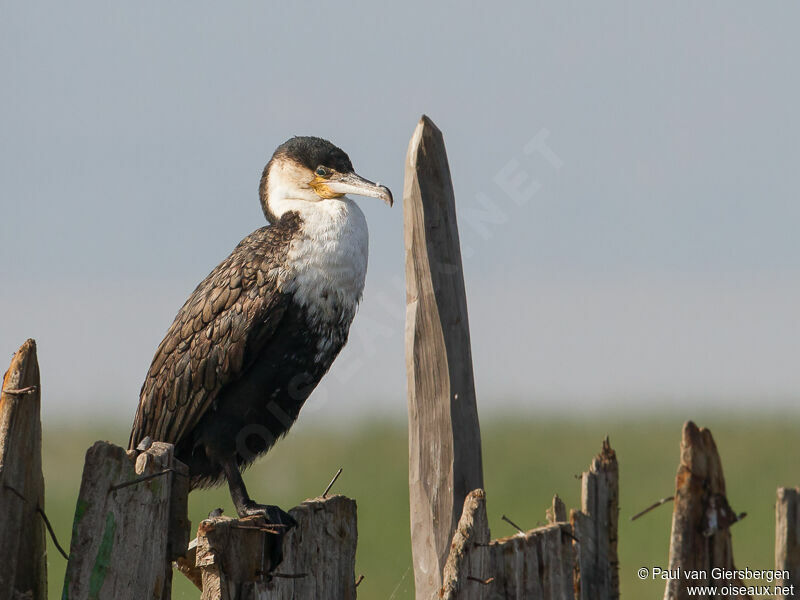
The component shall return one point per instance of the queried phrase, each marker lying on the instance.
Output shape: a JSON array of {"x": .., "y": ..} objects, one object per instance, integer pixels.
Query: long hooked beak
[{"x": 350, "y": 183}]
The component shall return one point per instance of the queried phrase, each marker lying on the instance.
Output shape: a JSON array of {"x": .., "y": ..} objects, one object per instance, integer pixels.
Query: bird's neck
[{"x": 327, "y": 258}]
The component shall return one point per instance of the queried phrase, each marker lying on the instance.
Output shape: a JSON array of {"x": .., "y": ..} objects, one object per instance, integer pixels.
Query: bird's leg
[{"x": 245, "y": 507}]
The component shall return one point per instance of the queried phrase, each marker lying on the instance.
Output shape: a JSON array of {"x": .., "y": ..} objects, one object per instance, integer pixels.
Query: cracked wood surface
[
  {"x": 444, "y": 434},
  {"x": 23, "y": 552}
]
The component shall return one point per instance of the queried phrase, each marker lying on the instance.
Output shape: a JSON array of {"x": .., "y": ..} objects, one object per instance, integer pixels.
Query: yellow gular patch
[{"x": 320, "y": 186}]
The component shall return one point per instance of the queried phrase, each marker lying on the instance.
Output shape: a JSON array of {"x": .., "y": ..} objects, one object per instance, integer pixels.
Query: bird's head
[{"x": 305, "y": 170}]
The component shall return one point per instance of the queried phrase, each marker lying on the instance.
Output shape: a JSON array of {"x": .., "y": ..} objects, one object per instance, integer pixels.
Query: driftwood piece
[
  {"x": 444, "y": 434},
  {"x": 595, "y": 525},
  {"x": 787, "y": 536},
  {"x": 23, "y": 548},
  {"x": 122, "y": 536},
  {"x": 701, "y": 517},
  {"x": 236, "y": 559},
  {"x": 535, "y": 565}
]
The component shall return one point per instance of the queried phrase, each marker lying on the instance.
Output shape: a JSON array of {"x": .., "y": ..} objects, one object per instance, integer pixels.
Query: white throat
[
  {"x": 326, "y": 263},
  {"x": 327, "y": 259}
]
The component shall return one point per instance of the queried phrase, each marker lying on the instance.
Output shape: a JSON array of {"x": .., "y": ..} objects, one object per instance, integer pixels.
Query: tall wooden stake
[
  {"x": 444, "y": 434},
  {"x": 22, "y": 551}
]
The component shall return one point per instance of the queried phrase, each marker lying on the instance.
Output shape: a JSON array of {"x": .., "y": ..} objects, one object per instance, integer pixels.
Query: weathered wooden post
[
  {"x": 596, "y": 526},
  {"x": 701, "y": 517},
  {"x": 130, "y": 524},
  {"x": 22, "y": 549},
  {"x": 444, "y": 434},
  {"x": 531, "y": 565},
  {"x": 238, "y": 558},
  {"x": 787, "y": 536},
  {"x": 559, "y": 561}
]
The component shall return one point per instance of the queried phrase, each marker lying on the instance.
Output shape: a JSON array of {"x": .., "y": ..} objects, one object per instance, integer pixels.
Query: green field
[{"x": 525, "y": 462}]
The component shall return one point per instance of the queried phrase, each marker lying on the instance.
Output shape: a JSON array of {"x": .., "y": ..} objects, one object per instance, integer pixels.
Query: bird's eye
[{"x": 321, "y": 171}]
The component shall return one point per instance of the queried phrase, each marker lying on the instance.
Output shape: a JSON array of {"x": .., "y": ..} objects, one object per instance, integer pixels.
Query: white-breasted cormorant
[{"x": 257, "y": 335}]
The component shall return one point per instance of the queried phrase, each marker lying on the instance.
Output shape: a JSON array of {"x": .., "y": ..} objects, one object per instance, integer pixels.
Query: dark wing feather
[{"x": 215, "y": 337}]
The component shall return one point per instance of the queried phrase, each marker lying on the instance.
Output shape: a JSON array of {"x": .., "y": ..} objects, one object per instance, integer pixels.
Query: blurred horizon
[{"x": 624, "y": 177}]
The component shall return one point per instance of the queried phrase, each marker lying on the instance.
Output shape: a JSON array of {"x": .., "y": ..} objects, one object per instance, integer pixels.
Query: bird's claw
[{"x": 273, "y": 514}]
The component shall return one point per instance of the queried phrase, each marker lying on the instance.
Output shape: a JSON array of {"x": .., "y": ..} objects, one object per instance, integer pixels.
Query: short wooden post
[
  {"x": 240, "y": 558},
  {"x": 235, "y": 556},
  {"x": 787, "y": 536},
  {"x": 597, "y": 576},
  {"x": 22, "y": 551},
  {"x": 124, "y": 535},
  {"x": 532, "y": 565},
  {"x": 444, "y": 434},
  {"x": 701, "y": 516},
  {"x": 560, "y": 561}
]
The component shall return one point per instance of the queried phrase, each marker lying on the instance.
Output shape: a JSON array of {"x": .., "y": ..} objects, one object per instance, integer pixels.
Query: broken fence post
[
  {"x": 560, "y": 561},
  {"x": 236, "y": 558},
  {"x": 531, "y": 565},
  {"x": 595, "y": 525},
  {"x": 444, "y": 435},
  {"x": 23, "y": 550},
  {"x": 787, "y": 536},
  {"x": 701, "y": 516},
  {"x": 128, "y": 520}
]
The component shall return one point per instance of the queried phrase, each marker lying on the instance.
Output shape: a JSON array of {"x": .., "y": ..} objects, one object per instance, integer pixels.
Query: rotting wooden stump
[
  {"x": 23, "y": 549},
  {"x": 444, "y": 435},
  {"x": 560, "y": 561},
  {"x": 130, "y": 523},
  {"x": 787, "y": 536},
  {"x": 235, "y": 559},
  {"x": 701, "y": 517}
]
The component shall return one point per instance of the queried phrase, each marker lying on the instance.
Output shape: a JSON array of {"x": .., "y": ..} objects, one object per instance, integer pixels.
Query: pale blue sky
[{"x": 657, "y": 266}]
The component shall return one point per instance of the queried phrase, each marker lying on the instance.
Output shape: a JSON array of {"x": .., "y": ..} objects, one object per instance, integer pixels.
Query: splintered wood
[
  {"x": 596, "y": 525},
  {"x": 124, "y": 535},
  {"x": 701, "y": 517},
  {"x": 535, "y": 565},
  {"x": 22, "y": 551},
  {"x": 240, "y": 558},
  {"x": 553, "y": 562},
  {"x": 787, "y": 536},
  {"x": 444, "y": 435}
]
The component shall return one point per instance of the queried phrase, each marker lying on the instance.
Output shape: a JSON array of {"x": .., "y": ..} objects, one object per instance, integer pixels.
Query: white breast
[{"x": 327, "y": 260}]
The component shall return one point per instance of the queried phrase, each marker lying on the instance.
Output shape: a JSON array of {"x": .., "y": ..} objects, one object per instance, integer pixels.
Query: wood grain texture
[
  {"x": 236, "y": 558},
  {"x": 787, "y": 535},
  {"x": 560, "y": 561},
  {"x": 596, "y": 526},
  {"x": 22, "y": 551},
  {"x": 444, "y": 434},
  {"x": 535, "y": 565},
  {"x": 701, "y": 517},
  {"x": 121, "y": 539}
]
